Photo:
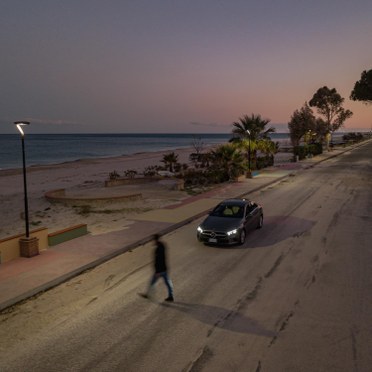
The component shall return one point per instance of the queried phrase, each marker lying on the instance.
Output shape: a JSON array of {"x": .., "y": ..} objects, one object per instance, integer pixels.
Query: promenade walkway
[{"x": 25, "y": 277}]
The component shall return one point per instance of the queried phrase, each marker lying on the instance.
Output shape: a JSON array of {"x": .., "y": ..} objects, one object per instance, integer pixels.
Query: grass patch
[{"x": 35, "y": 223}]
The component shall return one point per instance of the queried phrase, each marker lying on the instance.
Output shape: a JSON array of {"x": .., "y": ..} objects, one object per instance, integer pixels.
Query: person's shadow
[{"x": 219, "y": 317}]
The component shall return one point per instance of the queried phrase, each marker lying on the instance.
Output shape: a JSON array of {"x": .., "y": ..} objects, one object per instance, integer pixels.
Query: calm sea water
[{"x": 60, "y": 148}]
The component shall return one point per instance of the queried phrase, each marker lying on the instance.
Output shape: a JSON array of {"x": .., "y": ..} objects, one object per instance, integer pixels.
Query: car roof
[{"x": 240, "y": 202}]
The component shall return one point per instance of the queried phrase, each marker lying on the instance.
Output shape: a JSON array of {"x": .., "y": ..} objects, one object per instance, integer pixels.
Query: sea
[{"x": 43, "y": 149}]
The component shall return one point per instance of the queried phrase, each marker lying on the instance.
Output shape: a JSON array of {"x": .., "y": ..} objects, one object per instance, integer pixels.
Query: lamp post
[
  {"x": 249, "y": 154},
  {"x": 19, "y": 125},
  {"x": 29, "y": 246}
]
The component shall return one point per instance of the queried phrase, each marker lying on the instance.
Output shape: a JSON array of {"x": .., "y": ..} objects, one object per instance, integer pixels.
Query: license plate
[{"x": 212, "y": 240}]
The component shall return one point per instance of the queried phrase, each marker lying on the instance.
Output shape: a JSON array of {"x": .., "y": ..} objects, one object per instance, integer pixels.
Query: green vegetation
[
  {"x": 363, "y": 88},
  {"x": 302, "y": 121},
  {"x": 307, "y": 150},
  {"x": 253, "y": 136},
  {"x": 35, "y": 223},
  {"x": 83, "y": 210},
  {"x": 306, "y": 129},
  {"x": 229, "y": 161},
  {"x": 256, "y": 126},
  {"x": 113, "y": 175},
  {"x": 353, "y": 137},
  {"x": 264, "y": 161},
  {"x": 151, "y": 171},
  {"x": 328, "y": 103},
  {"x": 130, "y": 173},
  {"x": 251, "y": 146},
  {"x": 170, "y": 161}
]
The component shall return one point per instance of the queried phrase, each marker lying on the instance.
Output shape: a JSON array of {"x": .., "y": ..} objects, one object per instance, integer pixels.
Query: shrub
[
  {"x": 151, "y": 171},
  {"x": 114, "y": 175},
  {"x": 217, "y": 176},
  {"x": 264, "y": 161},
  {"x": 180, "y": 167},
  {"x": 201, "y": 160},
  {"x": 315, "y": 148},
  {"x": 193, "y": 177},
  {"x": 84, "y": 210},
  {"x": 300, "y": 151},
  {"x": 170, "y": 161},
  {"x": 130, "y": 173},
  {"x": 303, "y": 151},
  {"x": 353, "y": 137},
  {"x": 199, "y": 177}
]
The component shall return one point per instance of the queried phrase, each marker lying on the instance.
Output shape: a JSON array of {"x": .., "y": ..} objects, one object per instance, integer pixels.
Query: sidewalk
[{"x": 25, "y": 277}]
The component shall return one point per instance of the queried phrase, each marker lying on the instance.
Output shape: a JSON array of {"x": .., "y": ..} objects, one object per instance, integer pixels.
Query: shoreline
[
  {"x": 44, "y": 152},
  {"x": 91, "y": 160},
  {"x": 44, "y": 149},
  {"x": 85, "y": 176},
  {"x": 81, "y": 175},
  {"x": 33, "y": 167}
]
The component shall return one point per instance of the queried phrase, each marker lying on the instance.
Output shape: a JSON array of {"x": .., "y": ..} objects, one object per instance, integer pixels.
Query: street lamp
[
  {"x": 29, "y": 246},
  {"x": 19, "y": 125},
  {"x": 249, "y": 153}
]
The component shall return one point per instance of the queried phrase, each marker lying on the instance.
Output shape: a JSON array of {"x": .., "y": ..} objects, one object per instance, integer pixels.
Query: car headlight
[
  {"x": 232, "y": 232},
  {"x": 199, "y": 229}
]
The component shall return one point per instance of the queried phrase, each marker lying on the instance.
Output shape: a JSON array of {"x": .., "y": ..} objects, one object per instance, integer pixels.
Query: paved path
[{"x": 25, "y": 277}]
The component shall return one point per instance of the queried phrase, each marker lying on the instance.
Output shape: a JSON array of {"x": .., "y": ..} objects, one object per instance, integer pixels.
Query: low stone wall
[
  {"x": 130, "y": 181},
  {"x": 69, "y": 233},
  {"x": 59, "y": 196},
  {"x": 10, "y": 247},
  {"x": 174, "y": 183}
]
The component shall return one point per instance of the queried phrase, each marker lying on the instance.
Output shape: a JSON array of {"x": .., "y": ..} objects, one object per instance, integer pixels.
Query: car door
[{"x": 252, "y": 215}]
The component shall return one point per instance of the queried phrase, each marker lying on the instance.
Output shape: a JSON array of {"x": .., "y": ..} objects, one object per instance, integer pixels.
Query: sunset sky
[{"x": 179, "y": 66}]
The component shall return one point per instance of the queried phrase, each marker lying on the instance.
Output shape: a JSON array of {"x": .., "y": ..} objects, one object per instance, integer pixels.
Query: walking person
[{"x": 161, "y": 270}]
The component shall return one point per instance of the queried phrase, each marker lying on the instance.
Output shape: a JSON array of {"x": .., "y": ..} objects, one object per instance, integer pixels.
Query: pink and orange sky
[{"x": 176, "y": 66}]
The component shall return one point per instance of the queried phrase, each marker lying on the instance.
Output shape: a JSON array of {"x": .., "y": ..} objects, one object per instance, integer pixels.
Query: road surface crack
[
  {"x": 198, "y": 364},
  {"x": 282, "y": 327},
  {"x": 274, "y": 267}
]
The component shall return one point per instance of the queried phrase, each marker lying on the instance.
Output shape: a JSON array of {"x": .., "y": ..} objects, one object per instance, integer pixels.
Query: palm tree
[
  {"x": 229, "y": 159},
  {"x": 268, "y": 147},
  {"x": 255, "y": 125},
  {"x": 247, "y": 145},
  {"x": 251, "y": 130},
  {"x": 170, "y": 160}
]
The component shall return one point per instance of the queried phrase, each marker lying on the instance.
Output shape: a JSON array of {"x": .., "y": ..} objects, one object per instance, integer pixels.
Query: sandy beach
[{"x": 80, "y": 176}]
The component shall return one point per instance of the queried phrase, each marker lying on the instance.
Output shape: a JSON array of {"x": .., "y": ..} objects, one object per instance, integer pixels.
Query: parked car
[{"x": 229, "y": 222}]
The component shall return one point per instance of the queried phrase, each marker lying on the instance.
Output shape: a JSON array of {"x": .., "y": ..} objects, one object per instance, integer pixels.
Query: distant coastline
[
  {"x": 49, "y": 149},
  {"x": 46, "y": 149}
]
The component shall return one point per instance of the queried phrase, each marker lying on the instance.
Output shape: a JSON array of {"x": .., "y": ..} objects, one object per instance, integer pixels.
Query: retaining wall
[
  {"x": 59, "y": 196},
  {"x": 10, "y": 249},
  {"x": 64, "y": 235}
]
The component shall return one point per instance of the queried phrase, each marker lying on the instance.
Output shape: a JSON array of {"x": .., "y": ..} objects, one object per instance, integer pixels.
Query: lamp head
[{"x": 19, "y": 125}]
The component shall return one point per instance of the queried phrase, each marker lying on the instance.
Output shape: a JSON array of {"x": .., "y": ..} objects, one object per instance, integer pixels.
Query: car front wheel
[{"x": 242, "y": 237}]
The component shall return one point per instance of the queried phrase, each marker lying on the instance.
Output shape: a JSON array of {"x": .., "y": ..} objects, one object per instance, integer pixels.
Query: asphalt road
[{"x": 296, "y": 297}]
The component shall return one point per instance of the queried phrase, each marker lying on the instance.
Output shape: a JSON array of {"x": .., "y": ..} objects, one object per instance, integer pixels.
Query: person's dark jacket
[{"x": 160, "y": 260}]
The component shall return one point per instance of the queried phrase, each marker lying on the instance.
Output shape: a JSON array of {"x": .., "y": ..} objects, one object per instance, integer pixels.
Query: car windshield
[{"x": 228, "y": 210}]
